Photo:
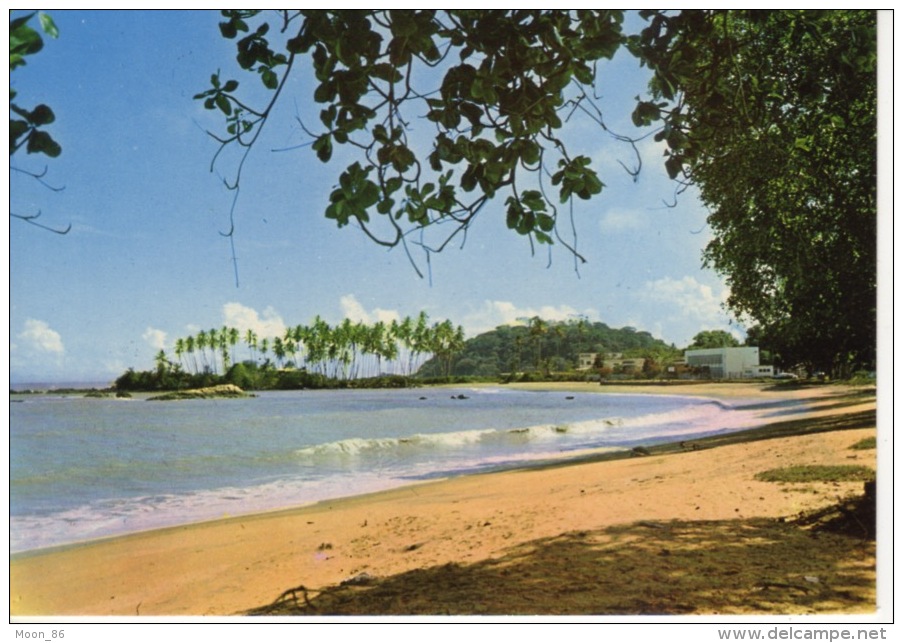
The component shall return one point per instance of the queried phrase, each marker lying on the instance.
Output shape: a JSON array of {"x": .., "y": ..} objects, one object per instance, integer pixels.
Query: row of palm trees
[{"x": 349, "y": 350}]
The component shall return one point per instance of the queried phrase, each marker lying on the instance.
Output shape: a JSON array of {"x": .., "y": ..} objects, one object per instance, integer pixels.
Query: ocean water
[{"x": 85, "y": 468}]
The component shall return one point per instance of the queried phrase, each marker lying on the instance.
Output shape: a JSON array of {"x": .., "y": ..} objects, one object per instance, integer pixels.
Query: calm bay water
[{"x": 85, "y": 468}]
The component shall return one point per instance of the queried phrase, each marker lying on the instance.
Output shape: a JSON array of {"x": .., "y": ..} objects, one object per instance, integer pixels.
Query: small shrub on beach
[
  {"x": 866, "y": 443},
  {"x": 817, "y": 473}
]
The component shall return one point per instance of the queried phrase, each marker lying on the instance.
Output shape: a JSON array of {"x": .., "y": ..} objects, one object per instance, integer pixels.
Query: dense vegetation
[
  {"x": 400, "y": 353},
  {"x": 541, "y": 348},
  {"x": 314, "y": 356},
  {"x": 773, "y": 114}
]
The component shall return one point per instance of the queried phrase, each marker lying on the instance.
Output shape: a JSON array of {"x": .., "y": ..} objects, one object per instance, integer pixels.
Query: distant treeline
[{"x": 399, "y": 354}]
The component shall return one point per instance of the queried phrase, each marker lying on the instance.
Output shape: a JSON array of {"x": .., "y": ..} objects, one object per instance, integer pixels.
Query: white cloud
[
  {"x": 687, "y": 296},
  {"x": 688, "y": 305},
  {"x": 155, "y": 337},
  {"x": 494, "y": 313},
  {"x": 268, "y": 324},
  {"x": 39, "y": 336},
  {"x": 353, "y": 309}
]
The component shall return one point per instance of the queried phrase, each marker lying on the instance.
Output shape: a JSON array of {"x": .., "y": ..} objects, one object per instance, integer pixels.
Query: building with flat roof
[{"x": 738, "y": 362}]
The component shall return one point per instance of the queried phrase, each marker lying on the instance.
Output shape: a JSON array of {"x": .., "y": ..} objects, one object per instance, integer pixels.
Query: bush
[{"x": 866, "y": 443}]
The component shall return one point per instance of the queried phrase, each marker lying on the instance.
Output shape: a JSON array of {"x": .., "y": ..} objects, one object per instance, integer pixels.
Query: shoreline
[
  {"x": 265, "y": 503},
  {"x": 728, "y": 391},
  {"x": 169, "y": 560}
]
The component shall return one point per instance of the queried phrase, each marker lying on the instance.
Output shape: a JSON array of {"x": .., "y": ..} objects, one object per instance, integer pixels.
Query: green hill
[{"x": 544, "y": 346}]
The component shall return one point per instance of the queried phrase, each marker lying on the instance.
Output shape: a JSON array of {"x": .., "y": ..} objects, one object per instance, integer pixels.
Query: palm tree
[
  {"x": 518, "y": 346},
  {"x": 343, "y": 338},
  {"x": 420, "y": 340},
  {"x": 264, "y": 348},
  {"x": 162, "y": 362},
  {"x": 538, "y": 328},
  {"x": 251, "y": 341},
  {"x": 234, "y": 338},
  {"x": 559, "y": 333},
  {"x": 376, "y": 344},
  {"x": 223, "y": 344},
  {"x": 213, "y": 344},
  {"x": 189, "y": 348},
  {"x": 290, "y": 346},
  {"x": 299, "y": 335},
  {"x": 180, "y": 350},
  {"x": 445, "y": 342},
  {"x": 202, "y": 341},
  {"x": 278, "y": 350},
  {"x": 388, "y": 348}
]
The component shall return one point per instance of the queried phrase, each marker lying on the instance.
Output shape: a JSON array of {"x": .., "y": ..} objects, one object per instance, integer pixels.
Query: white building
[
  {"x": 586, "y": 361},
  {"x": 729, "y": 363}
]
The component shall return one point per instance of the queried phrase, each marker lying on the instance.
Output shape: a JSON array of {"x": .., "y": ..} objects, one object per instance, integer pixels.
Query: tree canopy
[
  {"x": 713, "y": 339},
  {"x": 773, "y": 115},
  {"x": 770, "y": 113},
  {"x": 508, "y": 81},
  {"x": 27, "y": 126}
]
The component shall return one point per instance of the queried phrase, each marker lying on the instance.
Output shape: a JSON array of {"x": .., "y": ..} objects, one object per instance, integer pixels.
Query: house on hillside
[
  {"x": 740, "y": 362},
  {"x": 586, "y": 361},
  {"x": 625, "y": 365}
]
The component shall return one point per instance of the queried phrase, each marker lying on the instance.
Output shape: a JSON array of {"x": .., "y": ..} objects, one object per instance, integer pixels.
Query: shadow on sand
[{"x": 818, "y": 563}]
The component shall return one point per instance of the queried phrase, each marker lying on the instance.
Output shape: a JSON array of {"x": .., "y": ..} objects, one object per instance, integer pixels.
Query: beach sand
[{"x": 684, "y": 530}]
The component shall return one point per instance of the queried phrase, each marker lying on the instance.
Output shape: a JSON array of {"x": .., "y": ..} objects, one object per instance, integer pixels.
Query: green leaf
[
  {"x": 223, "y": 103},
  {"x": 369, "y": 195},
  {"x": 323, "y": 147},
  {"x": 542, "y": 237},
  {"x": 48, "y": 25},
  {"x": 533, "y": 200},
  {"x": 511, "y": 219},
  {"x": 674, "y": 165},
  {"x": 385, "y": 206},
  {"x": 16, "y": 129},
  {"x": 24, "y": 41},
  {"x": 228, "y": 29},
  {"x": 645, "y": 113},
  {"x": 592, "y": 183},
  {"x": 18, "y": 22},
  {"x": 42, "y": 115},
  {"x": 387, "y": 72},
  {"x": 269, "y": 78},
  {"x": 530, "y": 152},
  {"x": 393, "y": 184},
  {"x": 545, "y": 222},
  {"x": 325, "y": 92},
  {"x": 584, "y": 74},
  {"x": 42, "y": 143}
]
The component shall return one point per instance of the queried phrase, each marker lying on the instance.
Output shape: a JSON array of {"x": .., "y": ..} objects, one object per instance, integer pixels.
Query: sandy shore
[{"x": 683, "y": 530}]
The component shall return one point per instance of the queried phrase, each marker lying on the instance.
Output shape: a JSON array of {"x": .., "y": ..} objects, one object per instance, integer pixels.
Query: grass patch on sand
[
  {"x": 866, "y": 443},
  {"x": 818, "y": 473}
]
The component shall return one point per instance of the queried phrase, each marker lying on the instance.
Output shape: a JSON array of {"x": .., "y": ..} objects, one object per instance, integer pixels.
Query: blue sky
[{"x": 145, "y": 262}]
